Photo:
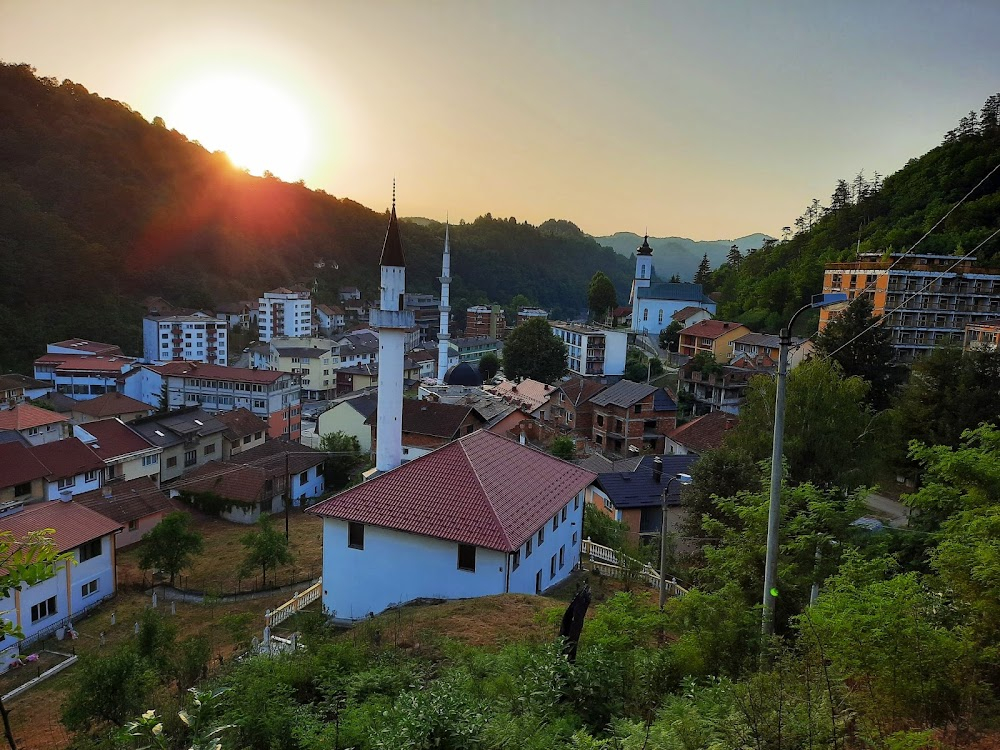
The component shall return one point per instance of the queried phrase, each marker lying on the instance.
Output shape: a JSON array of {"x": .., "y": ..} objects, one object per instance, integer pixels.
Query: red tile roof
[
  {"x": 240, "y": 423},
  {"x": 91, "y": 347},
  {"x": 241, "y": 484},
  {"x": 687, "y": 312},
  {"x": 26, "y": 416},
  {"x": 217, "y": 372},
  {"x": 72, "y": 523},
  {"x": 111, "y": 405},
  {"x": 482, "y": 489},
  {"x": 433, "y": 418},
  {"x": 18, "y": 465},
  {"x": 129, "y": 501},
  {"x": 704, "y": 433},
  {"x": 580, "y": 390},
  {"x": 67, "y": 458},
  {"x": 271, "y": 456},
  {"x": 115, "y": 439},
  {"x": 86, "y": 362},
  {"x": 712, "y": 329}
]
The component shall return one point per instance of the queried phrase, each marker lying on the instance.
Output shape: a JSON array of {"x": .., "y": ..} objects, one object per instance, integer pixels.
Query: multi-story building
[
  {"x": 83, "y": 376},
  {"x": 472, "y": 348},
  {"x": 315, "y": 361},
  {"x": 592, "y": 352},
  {"x": 982, "y": 336},
  {"x": 721, "y": 388},
  {"x": 763, "y": 347},
  {"x": 527, "y": 313},
  {"x": 485, "y": 320},
  {"x": 188, "y": 438},
  {"x": 185, "y": 338},
  {"x": 127, "y": 455},
  {"x": 85, "y": 347},
  {"x": 713, "y": 337},
  {"x": 426, "y": 313},
  {"x": 271, "y": 395},
  {"x": 632, "y": 417},
  {"x": 285, "y": 312},
  {"x": 329, "y": 319},
  {"x": 929, "y": 299},
  {"x": 571, "y": 408}
]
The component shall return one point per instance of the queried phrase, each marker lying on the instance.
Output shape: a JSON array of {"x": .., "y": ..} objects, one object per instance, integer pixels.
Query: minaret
[
  {"x": 643, "y": 268},
  {"x": 391, "y": 321},
  {"x": 445, "y": 308}
]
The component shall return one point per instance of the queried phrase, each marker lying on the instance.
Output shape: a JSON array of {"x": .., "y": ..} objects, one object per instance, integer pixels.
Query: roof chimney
[
  {"x": 106, "y": 492},
  {"x": 65, "y": 496},
  {"x": 657, "y": 469}
]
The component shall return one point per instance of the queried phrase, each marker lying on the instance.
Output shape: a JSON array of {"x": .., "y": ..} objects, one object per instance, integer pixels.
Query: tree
[
  {"x": 516, "y": 303},
  {"x": 112, "y": 688},
  {"x": 704, "y": 273},
  {"x": 563, "y": 447},
  {"x": 675, "y": 279},
  {"x": 266, "y": 547},
  {"x": 532, "y": 351},
  {"x": 862, "y": 347},
  {"x": 841, "y": 197},
  {"x": 346, "y": 457},
  {"x": 601, "y": 297},
  {"x": 489, "y": 365},
  {"x": 639, "y": 368},
  {"x": 671, "y": 335},
  {"x": 170, "y": 545},
  {"x": 734, "y": 258}
]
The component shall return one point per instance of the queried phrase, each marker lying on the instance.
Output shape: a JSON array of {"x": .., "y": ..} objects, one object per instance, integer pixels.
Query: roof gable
[
  {"x": 26, "y": 416},
  {"x": 72, "y": 523},
  {"x": 704, "y": 433},
  {"x": 111, "y": 404}
]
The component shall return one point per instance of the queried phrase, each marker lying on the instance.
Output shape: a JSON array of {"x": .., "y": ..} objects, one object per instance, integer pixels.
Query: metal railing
[{"x": 608, "y": 562}]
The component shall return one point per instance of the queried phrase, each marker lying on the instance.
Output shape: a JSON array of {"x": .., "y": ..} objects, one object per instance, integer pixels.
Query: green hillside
[
  {"x": 99, "y": 208},
  {"x": 876, "y": 215}
]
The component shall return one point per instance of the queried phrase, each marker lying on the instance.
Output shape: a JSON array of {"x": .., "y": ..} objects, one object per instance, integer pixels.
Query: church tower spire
[
  {"x": 445, "y": 280},
  {"x": 643, "y": 269}
]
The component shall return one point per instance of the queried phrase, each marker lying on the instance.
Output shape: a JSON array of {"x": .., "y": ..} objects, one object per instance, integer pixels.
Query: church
[{"x": 654, "y": 302}]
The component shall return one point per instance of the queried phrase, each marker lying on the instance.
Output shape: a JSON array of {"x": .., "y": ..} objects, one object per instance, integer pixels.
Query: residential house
[
  {"x": 472, "y": 348},
  {"x": 719, "y": 387},
  {"x": 362, "y": 377},
  {"x": 483, "y": 515},
  {"x": 284, "y": 312},
  {"x": 81, "y": 582},
  {"x": 426, "y": 314},
  {"x": 430, "y": 424},
  {"x": 713, "y": 337},
  {"x": 688, "y": 316},
  {"x": 188, "y": 437},
  {"x": 347, "y": 293},
  {"x": 655, "y": 305},
  {"x": 235, "y": 314},
  {"x": 621, "y": 316},
  {"x": 198, "y": 337},
  {"x": 60, "y": 403},
  {"x": 571, "y": 406},
  {"x": 329, "y": 319},
  {"x": 36, "y": 425},
  {"x": 301, "y": 463},
  {"x": 636, "y": 497},
  {"x": 485, "y": 321},
  {"x": 530, "y": 395},
  {"x": 272, "y": 396},
  {"x": 592, "y": 352},
  {"x": 72, "y": 467},
  {"x": 11, "y": 392},
  {"x": 701, "y": 434},
  {"x": 982, "y": 336},
  {"x": 761, "y": 347},
  {"x": 426, "y": 360},
  {"x": 632, "y": 417},
  {"x": 110, "y": 406},
  {"x": 33, "y": 388},
  {"x": 22, "y": 476},
  {"x": 244, "y": 430},
  {"x": 127, "y": 455},
  {"x": 83, "y": 376},
  {"x": 527, "y": 313},
  {"x": 514, "y": 423},
  {"x": 349, "y": 415},
  {"x": 137, "y": 505}
]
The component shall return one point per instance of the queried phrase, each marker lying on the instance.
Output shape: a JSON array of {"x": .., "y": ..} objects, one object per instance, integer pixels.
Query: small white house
[
  {"x": 482, "y": 515},
  {"x": 73, "y": 467},
  {"x": 79, "y": 584}
]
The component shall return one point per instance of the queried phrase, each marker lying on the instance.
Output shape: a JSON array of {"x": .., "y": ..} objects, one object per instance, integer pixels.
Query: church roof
[
  {"x": 644, "y": 248},
  {"x": 673, "y": 291},
  {"x": 392, "y": 249}
]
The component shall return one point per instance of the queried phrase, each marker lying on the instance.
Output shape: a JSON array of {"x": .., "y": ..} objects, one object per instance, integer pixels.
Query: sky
[{"x": 709, "y": 120}]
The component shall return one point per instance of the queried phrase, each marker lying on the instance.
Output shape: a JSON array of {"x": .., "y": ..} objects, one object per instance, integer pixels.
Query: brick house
[
  {"x": 630, "y": 417},
  {"x": 430, "y": 424},
  {"x": 571, "y": 406}
]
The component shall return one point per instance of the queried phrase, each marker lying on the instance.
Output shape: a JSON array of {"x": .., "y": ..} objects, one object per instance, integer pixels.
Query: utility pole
[
  {"x": 288, "y": 494},
  {"x": 684, "y": 479}
]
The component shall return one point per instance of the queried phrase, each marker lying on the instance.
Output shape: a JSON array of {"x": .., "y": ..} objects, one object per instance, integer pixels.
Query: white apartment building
[
  {"x": 185, "y": 338},
  {"x": 284, "y": 312},
  {"x": 592, "y": 352}
]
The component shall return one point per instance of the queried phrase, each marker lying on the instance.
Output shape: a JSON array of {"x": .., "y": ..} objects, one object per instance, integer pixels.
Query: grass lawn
[{"x": 216, "y": 570}]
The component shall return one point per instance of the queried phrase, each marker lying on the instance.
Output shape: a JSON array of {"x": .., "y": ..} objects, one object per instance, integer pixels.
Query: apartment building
[
  {"x": 929, "y": 299},
  {"x": 426, "y": 313},
  {"x": 592, "y": 352},
  {"x": 284, "y": 312},
  {"x": 472, "y": 348},
  {"x": 83, "y": 376},
  {"x": 485, "y": 320},
  {"x": 982, "y": 336},
  {"x": 527, "y": 313},
  {"x": 185, "y": 338}
]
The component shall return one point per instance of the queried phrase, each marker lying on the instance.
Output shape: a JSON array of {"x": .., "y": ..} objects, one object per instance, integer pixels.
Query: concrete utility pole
[{"x": 684, "y": 479}]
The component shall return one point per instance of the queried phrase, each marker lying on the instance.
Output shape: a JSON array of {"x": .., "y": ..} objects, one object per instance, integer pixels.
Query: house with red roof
[
  {"x": 72, "y": 467},
  {"x": 714, "y": 337},
  {"x": 701, "y": 434},
  {"x": 138, "y": 505},
  {"x": 126, "y": 454},
  {"x": 482, "y": 515},
  {"x": 81, "y": 582},
  {"x": 22, "y": 476},
  {"x": 34, "y": 424},
  {"x": 83, "y": 369},
  {"x": 110, "y": 406}
]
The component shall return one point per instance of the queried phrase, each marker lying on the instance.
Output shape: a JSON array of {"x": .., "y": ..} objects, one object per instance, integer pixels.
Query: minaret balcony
[{"x": 379, "y": 319}]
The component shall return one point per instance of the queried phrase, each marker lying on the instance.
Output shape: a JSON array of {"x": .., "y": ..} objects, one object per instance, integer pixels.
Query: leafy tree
[
  {"x": 601, "y": 296},
  {"x": 721, "y": 473},
  {"x": 266, "y": 547},
  {"x": 516, "y": 303},
  {"x": 344, "y": 460},
  {"x": 671, "y": 335},
  {"x": 601, "y": 529},
  {"x": 735, "y": 257},
  {"x": 111, "y": 688},
  {"x": 191, "y": 661},
  {"x": 563, "y": 447},
  {"x": 862, "y": 350},
  {"x": 489, "y": 365},
  {"x": 704, "y": 273},
  {"x": 830, "y": 431},
  {"x": 154, "y": 643},
  {"x": 639, "y": 367},
  {"x": 170, "y": 545},
  {"x": 532, "y": 351}
]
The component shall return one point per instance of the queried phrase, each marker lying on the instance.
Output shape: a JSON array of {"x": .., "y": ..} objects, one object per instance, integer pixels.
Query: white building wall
[
  {"x": 86, "y": 482},
  {"x": 313, "y": 486},
  {"x": 344, "y": 418},
  {"x": 568, "y": 537},
  {"x": 615, "y": 349},
  {"x": 647, "y": 317}
]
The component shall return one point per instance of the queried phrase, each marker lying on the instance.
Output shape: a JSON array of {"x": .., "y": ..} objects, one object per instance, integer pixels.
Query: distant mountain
[{"x": 679, "y": 254}]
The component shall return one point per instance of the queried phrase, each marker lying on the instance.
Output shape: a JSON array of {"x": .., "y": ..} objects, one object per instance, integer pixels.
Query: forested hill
[
  {"x": 99, "y": 208},
  {"x": 680, "y": 255},
  {"x": 876, "y": 215}
]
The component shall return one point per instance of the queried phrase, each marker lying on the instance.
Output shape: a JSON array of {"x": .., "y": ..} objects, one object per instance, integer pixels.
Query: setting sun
[{"x": 256, "y": 123}]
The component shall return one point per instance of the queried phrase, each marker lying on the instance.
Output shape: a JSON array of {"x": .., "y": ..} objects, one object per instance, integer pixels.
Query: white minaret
[
  {"x": 445, "y": 308},
  {"x": 391, "y": 321},
  {"x": 643, "y": 269}
]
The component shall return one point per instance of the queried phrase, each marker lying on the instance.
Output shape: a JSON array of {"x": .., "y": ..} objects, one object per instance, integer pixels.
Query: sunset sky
[{"x": 709, "y": 120}]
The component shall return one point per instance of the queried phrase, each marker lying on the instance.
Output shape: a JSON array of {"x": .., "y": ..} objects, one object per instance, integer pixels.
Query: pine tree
[
  {"x": 735, "y": 257},
  {"x": 704, "y": 271}
]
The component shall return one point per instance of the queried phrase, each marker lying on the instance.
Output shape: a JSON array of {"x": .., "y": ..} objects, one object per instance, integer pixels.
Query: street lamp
[
  {"x": 774, "y": 506},
  {"x": 684, "y": 479}
]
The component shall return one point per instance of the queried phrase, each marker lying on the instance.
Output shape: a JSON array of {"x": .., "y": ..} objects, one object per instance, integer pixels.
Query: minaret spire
[{"x": 445, "y": 280}]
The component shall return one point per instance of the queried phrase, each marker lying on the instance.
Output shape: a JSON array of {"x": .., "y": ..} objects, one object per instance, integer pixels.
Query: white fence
[
  {"x": 607, "y": 562},
  {"x": 299, "y": 601}
]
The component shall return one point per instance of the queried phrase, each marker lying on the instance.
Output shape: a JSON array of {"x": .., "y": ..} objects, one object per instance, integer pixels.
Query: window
[
  {"x": 527, "y": 549},
  {"x": 32, "y": 430},
  {"x": 564, "y": 514},
  {"x": 541, "y": 536},
  {"x": 552, "y": 567},
  {"x": 150, "y": 460},
  {"x": 132, "y": 525},
  {"x": 210, "y": 449},
  {"x": 660, "y": 320},
  {"x": 90, "y": 550},
  {"x": 574, "y": 538},
  {"x": 637, "y": 409},
  {"x": 91, "y": 476},
  {"x": 66, "y": 482},
  {"x": 22, "y": 489},
  {"x": 172, "y": 462},
  {"x": 43, "y": 609},
  {"x": 598, "y": 439},
  {"x": 576, "y": 503},
  {"x": 89, "y": 588},
  {"x": 355, "y": 535},
  {"x": 645, "y": 314},
  {"x": 304, "y": 477},
  {"x": 191, "y": 458},
  {"x": 470, "y": 429},
  {"x": 555, "y": 522},
  {"x": 467, "y": 557},
  {"x": 515, "y": 561},
  {"x": 562, "y": 557},
  {"x": 600, "y": 420}
]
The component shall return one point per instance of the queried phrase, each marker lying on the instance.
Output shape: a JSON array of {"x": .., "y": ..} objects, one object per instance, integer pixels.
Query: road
[{"x": 894, "y": 512}]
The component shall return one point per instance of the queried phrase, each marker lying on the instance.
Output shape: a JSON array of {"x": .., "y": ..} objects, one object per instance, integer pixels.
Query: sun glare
[{"x": 256, "y": 123}]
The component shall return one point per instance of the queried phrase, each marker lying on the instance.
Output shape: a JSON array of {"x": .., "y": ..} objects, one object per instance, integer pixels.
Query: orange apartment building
[{"x": 715, "y": 337}]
